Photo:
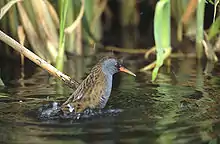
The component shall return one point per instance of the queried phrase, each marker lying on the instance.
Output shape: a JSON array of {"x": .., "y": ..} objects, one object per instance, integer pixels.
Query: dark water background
[{"x": 182, "y": 106}]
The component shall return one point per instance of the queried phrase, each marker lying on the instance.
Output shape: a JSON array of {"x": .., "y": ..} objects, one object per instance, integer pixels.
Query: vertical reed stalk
[
  {"x": 129, "y": 14},
  {"x": 162, "y": 33},
  {"x": 92, "y": 21},
  {"x": 199, "y": 27},
  {"x": 13, "y": 18},
  {"x": 78, "y": 40},
  {"x": 70, "y": 38},
  {"x": 63, "y": 13},
  {"x": 4, "y": 19}
]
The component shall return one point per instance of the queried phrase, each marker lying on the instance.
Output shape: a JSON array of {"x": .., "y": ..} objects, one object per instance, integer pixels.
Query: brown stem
[
  {"x": 191, "y": 7},
  {"x": 126, "y": 50},
  {"x": 37, "y": 60}
]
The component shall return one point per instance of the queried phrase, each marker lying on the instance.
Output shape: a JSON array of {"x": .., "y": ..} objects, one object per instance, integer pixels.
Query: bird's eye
[{"x": 117, "y": 65}]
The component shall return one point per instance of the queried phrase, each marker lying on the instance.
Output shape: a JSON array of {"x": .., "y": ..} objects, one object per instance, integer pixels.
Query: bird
[{"x": 95, "y": 89}]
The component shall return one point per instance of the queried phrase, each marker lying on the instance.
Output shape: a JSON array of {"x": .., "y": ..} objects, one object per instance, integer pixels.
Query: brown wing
[
  {"x": 86, "y": 87},
  {"x": 89, "y": 93}
]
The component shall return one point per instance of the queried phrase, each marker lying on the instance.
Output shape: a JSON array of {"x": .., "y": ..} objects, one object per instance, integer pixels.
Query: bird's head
[{"x": 112, "y": 65}]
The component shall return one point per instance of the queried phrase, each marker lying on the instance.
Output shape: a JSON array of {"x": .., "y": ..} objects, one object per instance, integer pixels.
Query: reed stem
[
  {"x": 63, "y": 13},
  {"x": 199, "y": 28},
  {"x": 37, "y": 60}
]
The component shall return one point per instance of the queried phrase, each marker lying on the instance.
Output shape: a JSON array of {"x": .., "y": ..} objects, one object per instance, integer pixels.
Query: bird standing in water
[{"x": 95, "y": 89}]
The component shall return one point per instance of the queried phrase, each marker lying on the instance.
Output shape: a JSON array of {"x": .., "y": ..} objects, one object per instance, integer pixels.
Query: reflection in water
[{"x": 181, "y": 107}]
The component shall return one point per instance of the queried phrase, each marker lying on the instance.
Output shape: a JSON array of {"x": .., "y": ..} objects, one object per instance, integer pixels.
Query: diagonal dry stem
[{"x": 37, "y": 60}]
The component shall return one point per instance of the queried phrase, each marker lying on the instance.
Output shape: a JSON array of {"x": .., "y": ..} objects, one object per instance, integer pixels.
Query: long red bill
[{"x": 123, "y": 69}]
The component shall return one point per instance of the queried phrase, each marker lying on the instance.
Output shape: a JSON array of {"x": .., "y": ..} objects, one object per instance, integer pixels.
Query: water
[{"x": 181, "y": 107}]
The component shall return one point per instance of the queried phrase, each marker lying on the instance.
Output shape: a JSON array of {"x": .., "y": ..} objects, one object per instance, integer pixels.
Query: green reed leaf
[{"x": 161, "y": 33}]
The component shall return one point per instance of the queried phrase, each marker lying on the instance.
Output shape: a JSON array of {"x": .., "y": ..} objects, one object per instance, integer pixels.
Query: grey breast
[{"x": 107, "y": 92}]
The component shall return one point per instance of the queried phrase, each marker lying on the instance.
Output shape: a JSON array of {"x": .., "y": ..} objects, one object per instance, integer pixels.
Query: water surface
[{"x": 182, "y": 106}]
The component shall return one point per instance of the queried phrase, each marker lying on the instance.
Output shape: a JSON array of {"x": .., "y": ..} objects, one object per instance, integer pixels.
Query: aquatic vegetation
[{"x": 54, "y": 29}]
